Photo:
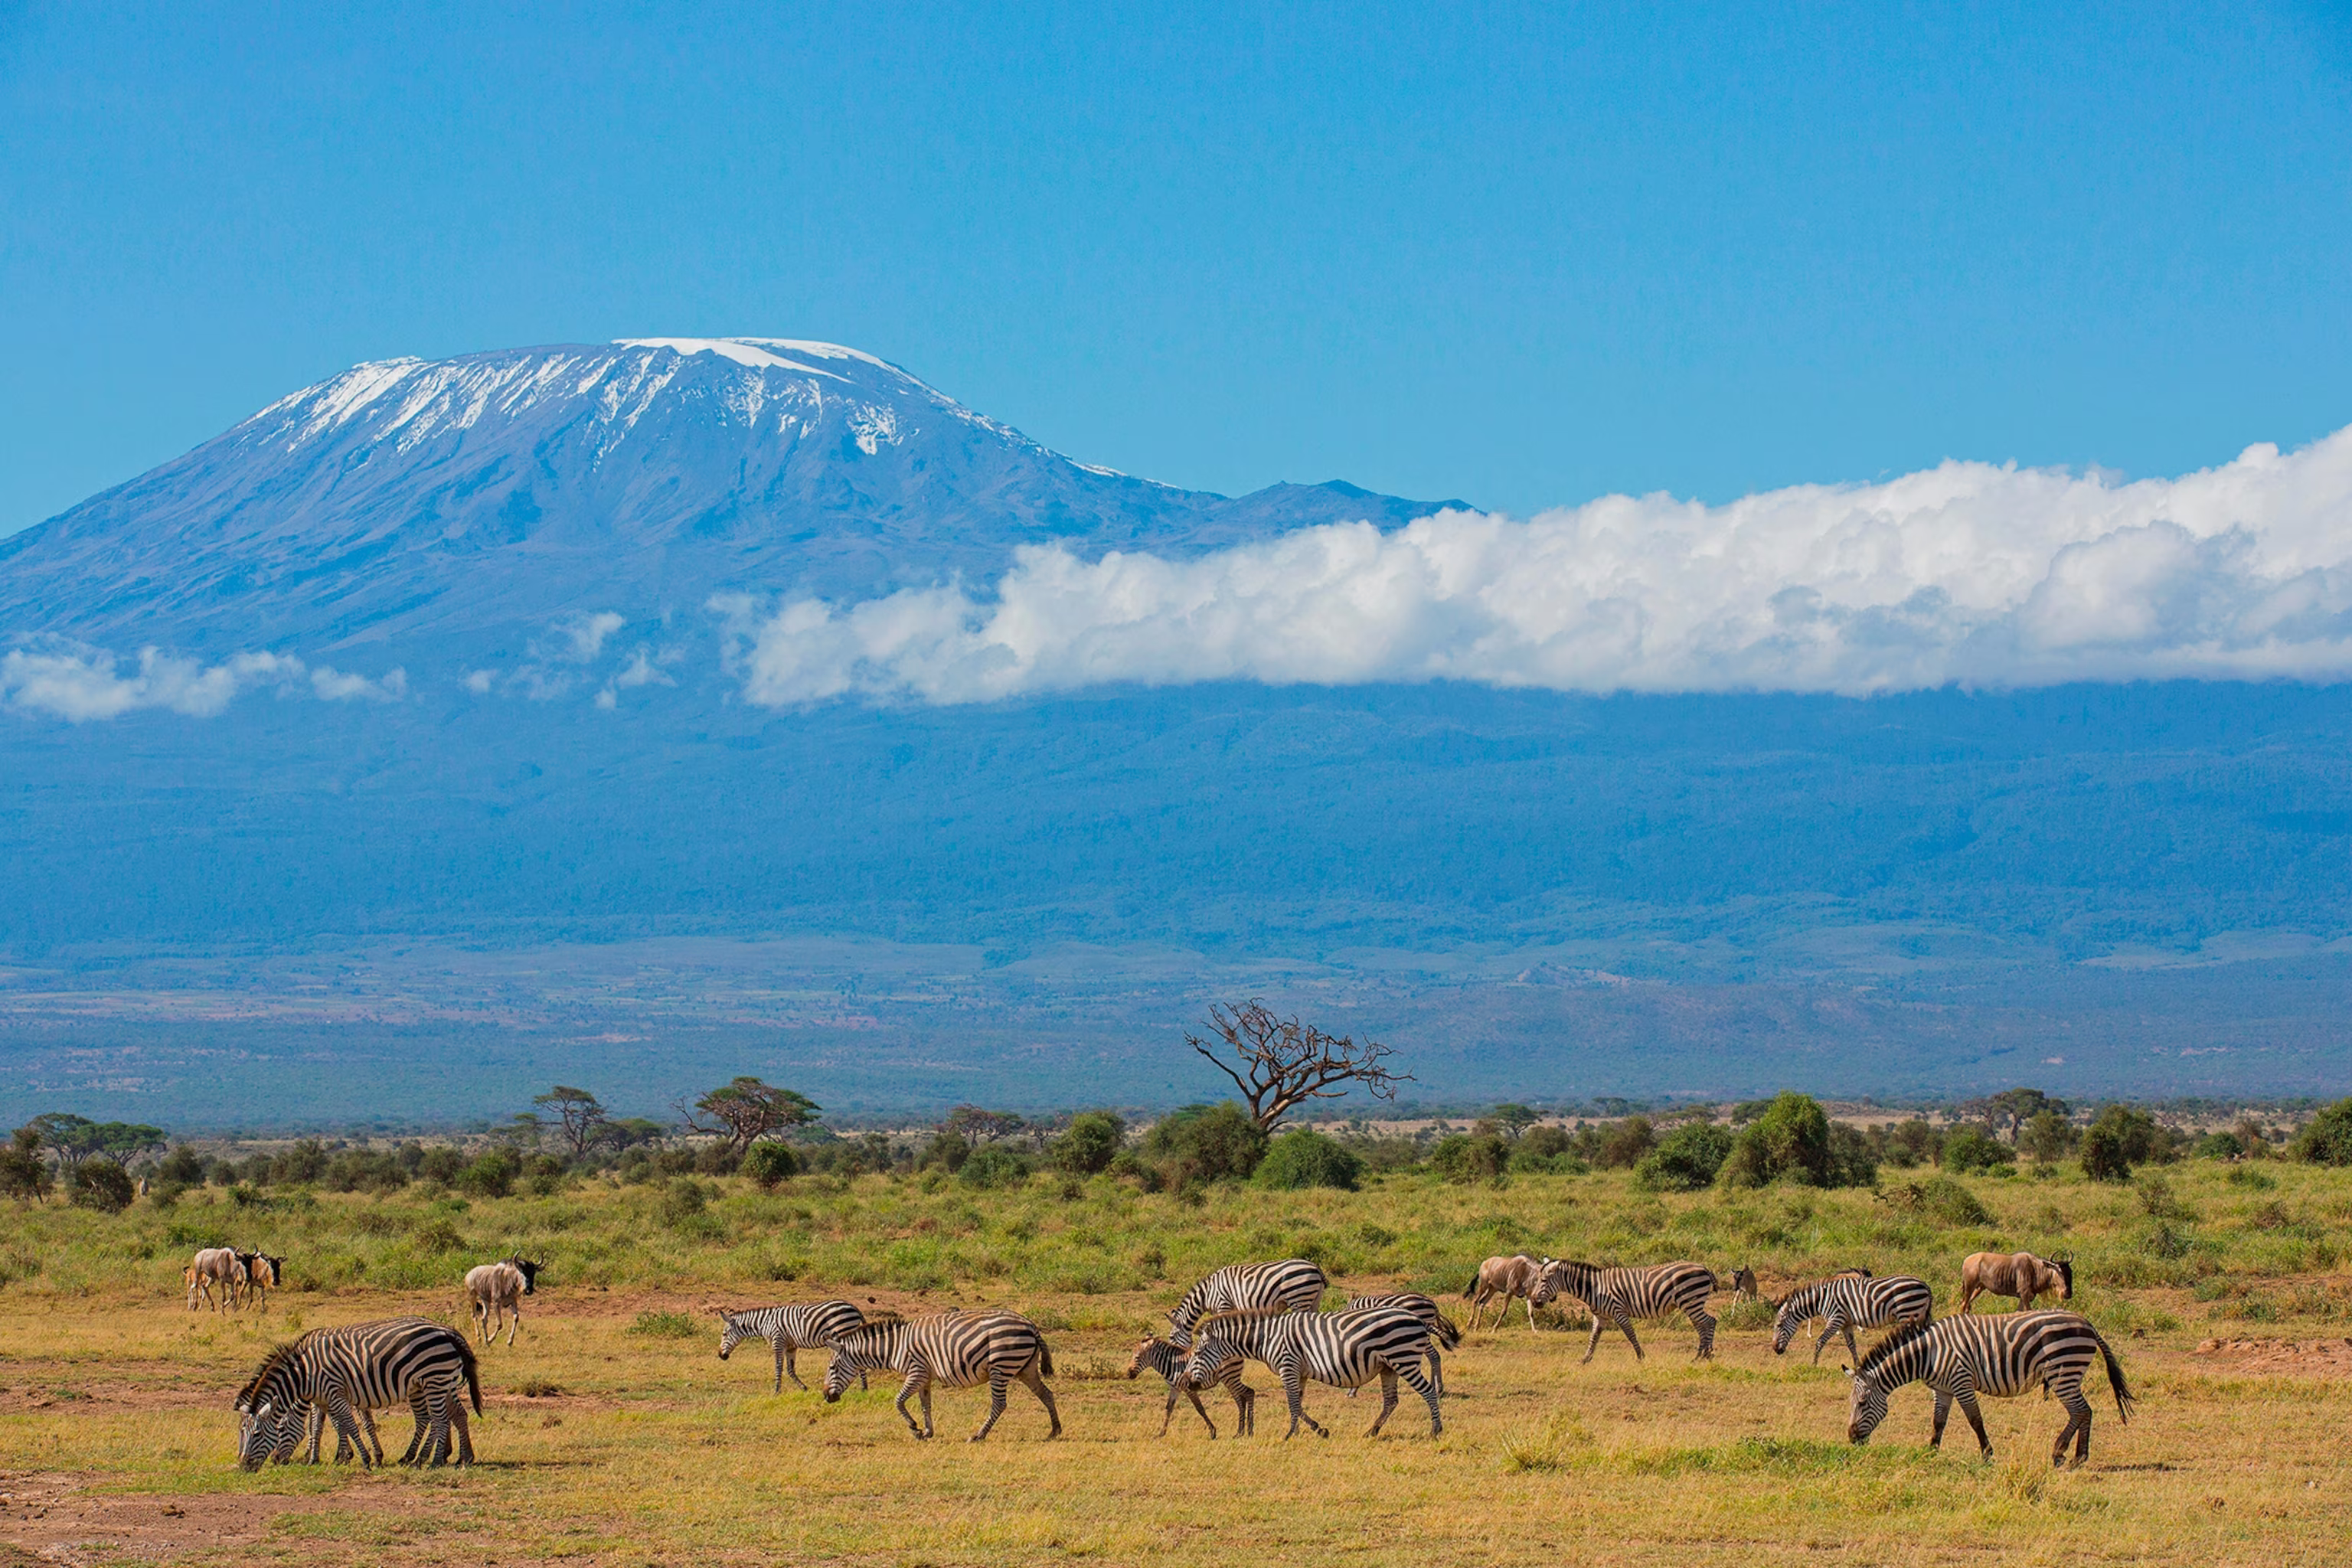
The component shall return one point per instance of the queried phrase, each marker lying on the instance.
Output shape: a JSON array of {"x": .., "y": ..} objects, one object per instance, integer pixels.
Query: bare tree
[
  {"x": 583, "y": 1114},
  {"x": 1284, "y": 1062},
  {"x": 746, "y": 1109}
]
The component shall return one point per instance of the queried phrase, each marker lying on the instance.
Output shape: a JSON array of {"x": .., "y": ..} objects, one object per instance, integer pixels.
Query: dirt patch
[
  {"x": 2329, "y": 1356},
  {"x": 57, "y": 1519}
]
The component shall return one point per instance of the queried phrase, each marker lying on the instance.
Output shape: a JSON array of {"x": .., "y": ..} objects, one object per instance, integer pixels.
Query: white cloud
[
  {"x": 1965, "y": 573},
  {"x": 78, "y": 683},
  {"x": 587, "y": 634}
]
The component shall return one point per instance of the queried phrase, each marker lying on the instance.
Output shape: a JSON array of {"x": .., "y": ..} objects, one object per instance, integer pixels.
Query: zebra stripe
[
  {"x": 365, "y": 1367},
  {"x": 1293, "y": 1285},
  {"x": 807, "y": 1326},
  {"x": 1442, "y": 1330},
  {"x": 1627, "y": 1296},
  {"x": 1169, "y": 1361},
  {"x": 952, "y": 1349},
  {"x": 1847, "y": 1303},
  {"x": 1961, "y": 1357},
  {"x": 1346, "y": 1350}
]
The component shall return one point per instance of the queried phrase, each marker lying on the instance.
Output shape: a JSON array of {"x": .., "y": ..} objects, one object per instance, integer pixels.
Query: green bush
[
  {"x": 1853, "y": 1159},
  {"x": 1203, "y": 1144},
  {"x": 2219, "y": 1146},
  {"x": 1304, "y": 1158},
  {"x": 1940, "y": 1198},
  {"x": 666, "y": 1326},
  {"x": 1687, "y": 1160},
  {"x": 1460, "y": 1157},
  {"x": 992, "y": 1165},
  {"x": 23, "y": 1173},
  {"x": 101, "y": 1183},
  {"x": 491, "y": 1176},
  {"x": 1090, "y": 1142},
  {"x": 1974, "y": 1148},
  {"x": 2328, "y": 1139},
  {"x": 1790, "y": 1140},
  {"x": 2047, "y": 1137},
  {"x": 1620, "y": 1145},
  {"x": 769, "y": 1164},
  {"x": 2119, "y": 1138}
]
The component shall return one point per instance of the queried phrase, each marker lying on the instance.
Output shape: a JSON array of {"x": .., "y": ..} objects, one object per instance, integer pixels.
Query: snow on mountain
[{"x": 475, "y": 501}]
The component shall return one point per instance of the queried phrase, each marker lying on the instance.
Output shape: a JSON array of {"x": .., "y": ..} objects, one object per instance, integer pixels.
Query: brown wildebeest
[
  {"x": 2018, "y": 1274},
  {"x": 1510, "y": 1279},
  {"x": 215, "y": 1266},
  {"x": 262, "y": 1274},
  {"x": 1743, "y": 1284}
]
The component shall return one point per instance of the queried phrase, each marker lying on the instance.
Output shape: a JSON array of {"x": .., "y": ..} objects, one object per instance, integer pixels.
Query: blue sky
[{"x": 1519, "y": 256}]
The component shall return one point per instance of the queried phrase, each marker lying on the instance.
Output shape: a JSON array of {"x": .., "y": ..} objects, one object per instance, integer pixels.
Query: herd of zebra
[{"x": 1267, "y": 1312}]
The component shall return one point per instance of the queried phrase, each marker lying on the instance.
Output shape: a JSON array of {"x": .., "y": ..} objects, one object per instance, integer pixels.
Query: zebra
[
  {"x": 1294, "y": 1283},
  {"x": 1346, "y": 1350},
  {"x": 1849, "y": 1301},
  {"x": 364, "y": 1367},
  {"x": 432, "y": 1406},
  {"x": 1624, "y": 1296},
  {"x": 811, "y": 1325},
  {"x": 953, "y": 1349},
  {"x": 2003, "y": 1355},
  {"x": 1444, "y": 1332},
  {"x": 1169, "y": 1361}
]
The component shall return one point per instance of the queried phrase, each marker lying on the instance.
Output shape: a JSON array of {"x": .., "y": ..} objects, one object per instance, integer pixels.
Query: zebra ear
[{"x": 1845, "y": 1369}]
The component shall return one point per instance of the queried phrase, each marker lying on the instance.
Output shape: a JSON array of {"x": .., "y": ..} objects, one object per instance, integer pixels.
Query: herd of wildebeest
[{"x": 1271, "y": 1313}]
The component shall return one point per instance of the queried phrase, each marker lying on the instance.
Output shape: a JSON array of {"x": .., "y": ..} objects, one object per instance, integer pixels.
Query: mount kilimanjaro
[{"x": 470, "y": 871}]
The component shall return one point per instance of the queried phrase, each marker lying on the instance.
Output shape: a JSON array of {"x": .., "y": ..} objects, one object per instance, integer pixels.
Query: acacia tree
[
  {"x": 74, "y": 1139},
  {"x": 1283, "y": 1063},
  {"x": 583, "y": 1114},
  {"x": 746, "y": 1109}
]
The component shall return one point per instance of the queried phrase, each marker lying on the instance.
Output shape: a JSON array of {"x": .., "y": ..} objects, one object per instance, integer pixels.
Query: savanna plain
[{"x": 613, "y": 1433}]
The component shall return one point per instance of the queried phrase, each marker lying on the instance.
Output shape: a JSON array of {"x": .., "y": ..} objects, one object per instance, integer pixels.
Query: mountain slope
[{"x": 460, "y": 499}]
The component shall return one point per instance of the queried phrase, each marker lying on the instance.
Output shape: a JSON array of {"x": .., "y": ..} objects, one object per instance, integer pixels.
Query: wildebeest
[
  {"x": 1743, "y": 1284},
  {"x": 498, "y": 1288},
  {"x": 2018, "y": 1274},
  {"x": 1510, "y": 1279},
  {"x": 214, "y": 1266},
  {"x": 263, "y": 1274}
]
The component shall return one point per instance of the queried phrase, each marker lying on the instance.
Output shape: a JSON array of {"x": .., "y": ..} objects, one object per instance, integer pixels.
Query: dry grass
[{"x": 113, "y": 1412}]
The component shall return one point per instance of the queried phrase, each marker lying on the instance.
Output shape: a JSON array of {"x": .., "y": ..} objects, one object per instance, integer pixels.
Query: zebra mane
[
  {"x": 1879, "y": 1354},
  {"x": 882, "y": 1319},
  {"x": 274, "y": 1358},
  {"x": 1237, "y": 1315}
]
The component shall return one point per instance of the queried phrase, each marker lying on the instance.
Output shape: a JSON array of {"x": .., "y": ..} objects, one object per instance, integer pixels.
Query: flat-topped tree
[
  {"x": 1283, "y": 1063},
  {"x": 745, "y": 1110},
  {"x": 582, "y": 1113}
]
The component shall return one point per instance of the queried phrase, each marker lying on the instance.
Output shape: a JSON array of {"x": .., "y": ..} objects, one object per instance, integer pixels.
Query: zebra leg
[
  {"x": 996, "y": 1385},
  {"x": 1594, "y": 1344},
  {"x": 1244, "y": 1408},
  {"x": 1829, "y": 1332},
  {"x": 314, "y": 1422},
  {"x": 1294, "y": 1390},
  {"x": 1626, "y": 1324},
  {"x": 2078, "y": 1427},
  {"x": 1429, "y": 1392},
  {"x": 1943, "y": 1413},
  {"x": 1706, "y": 1326},
  {"x": 1436, "y": 1369},
  {"x": 1194, "y": 1395},
  {"x": 784, "y": 1349},
  {"x": 367, "y": 1425},
  {"x": 1388, "y": 1400},
  {"x": 1036, "y": 1382},
  {"x": 347, "y": 1430},
  {"x": 917, "y": 1382},
  {"x": 1967, "y": 1399},
  {"x": 457, "y": 1420},
  {"x": 423, "y": 1418}
]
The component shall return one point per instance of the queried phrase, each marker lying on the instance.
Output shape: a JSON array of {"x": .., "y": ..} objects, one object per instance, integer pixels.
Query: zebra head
[
  {"x": 1865, "y": 1405},
  {"x": 1159, "y": 1355},
  {"x": 1210, "y": 1358},
  {"x": 865, "y": 1349},
  {"x": 733, "y": 1331},
  {"x": 270, "y": 1427},
  {"x": 1785, "y": 1318}
]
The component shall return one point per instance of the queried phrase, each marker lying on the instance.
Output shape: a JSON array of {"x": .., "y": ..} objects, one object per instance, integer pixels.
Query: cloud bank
[
  {"x": 1966, "y": 573},
  {"x": 79, "y": 684}
]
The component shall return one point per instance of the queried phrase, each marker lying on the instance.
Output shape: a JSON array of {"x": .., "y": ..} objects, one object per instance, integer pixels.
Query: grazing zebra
[
  {"x": 214, "y": 1266},
  {"x": 2003, "y": 1355},
  {"x": 1168, "y": 1360},
  {"x": 1442, "y": 1330},
  {"x": 811, "y": 1325},
  {"x": 2018, "y": 1274},
  {"x": 1346, "y": 1350},
  {"x": 1511, "y": 1278},
  {"x": 1294, "y": 1283},
  {"x": 1627, "y": 1296},
  {"x": 499, "y": 1288},
  {"x": 262, "y": 1274},
  {"x": 364, "y": 1367},
  {"x": 952, "y": 1349},
  {"x": 1851, "y": 1301}
]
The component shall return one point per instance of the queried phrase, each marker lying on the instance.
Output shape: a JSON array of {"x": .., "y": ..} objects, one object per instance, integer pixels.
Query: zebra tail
[
  {"x": 473, "y": 1375},
  {"x": 1448, "y": 1332},
  {"x": 2124, "y": 1395},
  {"x": 1045, "y": 1357}
]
